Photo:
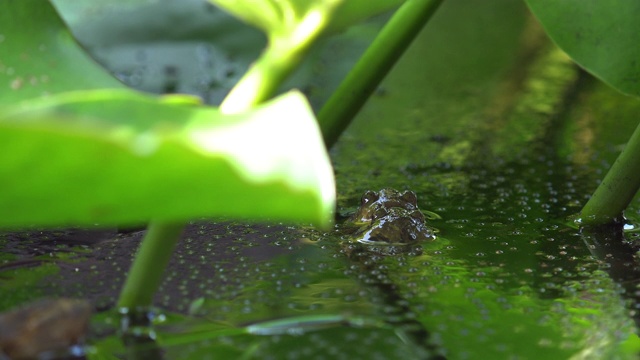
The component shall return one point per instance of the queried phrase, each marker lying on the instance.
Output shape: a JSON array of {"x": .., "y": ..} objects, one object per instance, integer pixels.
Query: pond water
[
  {"x": 501, "y": 149},
  {"x": 507, "y": 276}
]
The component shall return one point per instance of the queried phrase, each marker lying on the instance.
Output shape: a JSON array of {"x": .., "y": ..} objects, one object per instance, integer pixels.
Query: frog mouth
[
  {"x": 368, "y": 238},
  {"x": 371, "y": 242}
]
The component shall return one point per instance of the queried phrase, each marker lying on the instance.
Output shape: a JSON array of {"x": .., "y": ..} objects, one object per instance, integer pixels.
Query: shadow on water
[
  {"x": 609, "y": 244},
  {"x": 397, "y": 310}
]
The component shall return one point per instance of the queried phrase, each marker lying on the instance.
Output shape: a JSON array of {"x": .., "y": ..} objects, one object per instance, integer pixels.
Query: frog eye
[
  {"x": 369, "y": 196},
  {"x": 410, "y": 197}
]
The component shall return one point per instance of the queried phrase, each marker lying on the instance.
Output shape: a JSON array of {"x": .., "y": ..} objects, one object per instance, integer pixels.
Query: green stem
[
  {"x": 261, "y": 80},
  {"x": 617, "y": 189},
  {"x": 283, "y": 54},
  {"x": 148, "y": 267},
  {"x": 373, "y": 66},
  {"x": 281, "y": 57}
]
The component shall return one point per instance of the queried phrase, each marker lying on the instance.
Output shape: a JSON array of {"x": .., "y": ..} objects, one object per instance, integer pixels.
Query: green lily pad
[
  {"x": 118, "y": 157},
  {"x": 82, "y": 149},
  {"x": 601, "y": 36},
  {"x": 39, "y": 55}
]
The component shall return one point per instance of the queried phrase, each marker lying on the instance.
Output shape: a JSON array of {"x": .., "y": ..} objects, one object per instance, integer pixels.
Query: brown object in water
[{"x": 45, "y": 325}]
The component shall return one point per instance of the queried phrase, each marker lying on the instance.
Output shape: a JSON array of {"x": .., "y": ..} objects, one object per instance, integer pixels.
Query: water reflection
[{"x": 619, "y": 259}]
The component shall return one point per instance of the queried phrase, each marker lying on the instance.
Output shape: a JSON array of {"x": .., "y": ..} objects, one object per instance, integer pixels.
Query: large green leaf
[
  {"x": 115, "y": 156},
  {"x": 601, "y": 36},
  {"x": 40, "y": 57}
]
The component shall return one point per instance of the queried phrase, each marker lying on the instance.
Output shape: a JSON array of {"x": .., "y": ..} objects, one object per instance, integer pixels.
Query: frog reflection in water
[{"x": 388, "y": 222}]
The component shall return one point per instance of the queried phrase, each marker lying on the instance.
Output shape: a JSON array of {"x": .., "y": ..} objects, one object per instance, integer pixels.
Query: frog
[{"x": 388, "y": 222}]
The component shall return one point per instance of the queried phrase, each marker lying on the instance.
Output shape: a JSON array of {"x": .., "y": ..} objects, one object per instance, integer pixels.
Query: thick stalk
[
  {"x": 617, "y": 189},
  {"x": 149, "y": 265},
  {"x": 373, "y": 66}
]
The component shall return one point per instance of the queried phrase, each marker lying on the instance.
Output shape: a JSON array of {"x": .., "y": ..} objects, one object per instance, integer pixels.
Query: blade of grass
[{"x": 373, "y": 66}]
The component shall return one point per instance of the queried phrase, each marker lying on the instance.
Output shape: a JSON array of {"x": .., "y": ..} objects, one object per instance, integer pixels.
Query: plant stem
[
  {"x": 283, "y": 54},
  {"x": 373, "y": 66},
  {"x": 281, "y": 57},
  {"x": 148, "y": 267},
  {"x": 617, "y": 189},
  {"x": 261, "y": 80}
]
